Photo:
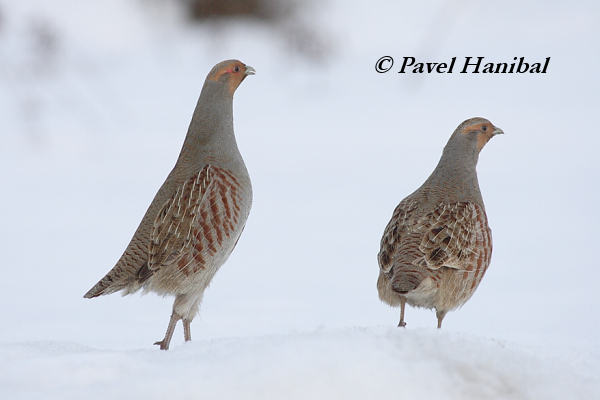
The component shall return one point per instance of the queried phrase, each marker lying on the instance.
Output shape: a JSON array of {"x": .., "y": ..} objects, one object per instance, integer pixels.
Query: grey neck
[
  {"x": 210, "y": 138},
  {"x": 456, "y": 171}
]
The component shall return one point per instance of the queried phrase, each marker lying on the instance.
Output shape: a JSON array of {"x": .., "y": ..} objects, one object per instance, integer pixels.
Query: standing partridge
[
  {"x": 438, "y": 245},
  {"x": 198, "y": 214}
]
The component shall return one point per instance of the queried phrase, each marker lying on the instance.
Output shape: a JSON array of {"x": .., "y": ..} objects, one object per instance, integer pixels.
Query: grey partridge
[
  {"x": 198, "y": 214},
  {"x": 438, "y": 245}
]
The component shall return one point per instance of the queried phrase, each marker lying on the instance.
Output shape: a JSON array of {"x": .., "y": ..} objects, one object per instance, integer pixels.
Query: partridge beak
[
  {"x": 249, "y": 70},
  {"x": 497, "y": 131}
]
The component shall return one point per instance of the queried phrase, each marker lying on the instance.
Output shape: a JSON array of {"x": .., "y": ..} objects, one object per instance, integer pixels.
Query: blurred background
[{"x": 96, "y": 98}]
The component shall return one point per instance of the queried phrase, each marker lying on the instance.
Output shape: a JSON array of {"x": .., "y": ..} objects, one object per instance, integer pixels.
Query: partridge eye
[
  {"x": 236, "y": 69},
  {"x": 484, "y": 128}
]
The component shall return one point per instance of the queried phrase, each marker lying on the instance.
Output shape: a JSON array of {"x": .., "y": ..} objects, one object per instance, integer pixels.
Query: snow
[
  {"x": 95, "y": 99},
  {"x": 351, "y": 363}
]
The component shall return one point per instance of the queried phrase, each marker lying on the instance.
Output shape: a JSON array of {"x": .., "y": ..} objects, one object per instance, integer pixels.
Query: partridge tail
[
  {"x": 117, "y": 279},
  {"x": 406, "y": 281},
  {"x": 103, "y": 287}
]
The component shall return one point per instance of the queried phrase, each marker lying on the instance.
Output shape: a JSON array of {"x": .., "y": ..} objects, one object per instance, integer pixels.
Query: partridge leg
[
  {"x": 187, "y": 333},
  {"x": 440, "y": 316},
  {"x": 402, "y": 305},
  {"x": 164, "y": 344}
]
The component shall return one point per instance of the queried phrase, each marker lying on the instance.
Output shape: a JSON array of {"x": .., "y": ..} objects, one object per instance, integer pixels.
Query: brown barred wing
[
  {"x": 395, "y": 237},
  {"x": 456, "y": 236},
  {"x": 193, "y": 223}
]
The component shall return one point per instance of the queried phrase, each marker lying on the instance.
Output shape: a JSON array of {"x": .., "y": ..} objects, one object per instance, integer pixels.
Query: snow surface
[
  {"x": 352, "y": 363},
  {"x": 95, "y": 99}
]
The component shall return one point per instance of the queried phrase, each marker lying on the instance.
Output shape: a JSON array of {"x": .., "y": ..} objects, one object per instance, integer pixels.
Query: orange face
[
  {"x": 233, "y": 74},
  {"x": 485, "y": 131}
]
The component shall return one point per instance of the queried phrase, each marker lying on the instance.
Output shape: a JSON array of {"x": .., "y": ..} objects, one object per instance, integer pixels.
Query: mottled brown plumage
[
  {"x": 198, "y": 214},
  {"x": 438, "y": 245}
]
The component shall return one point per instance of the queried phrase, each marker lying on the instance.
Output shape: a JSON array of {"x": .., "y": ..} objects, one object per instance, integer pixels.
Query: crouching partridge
[
  {"x": 438, "y": 245},
  {"x": 198, "y": 214}
]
